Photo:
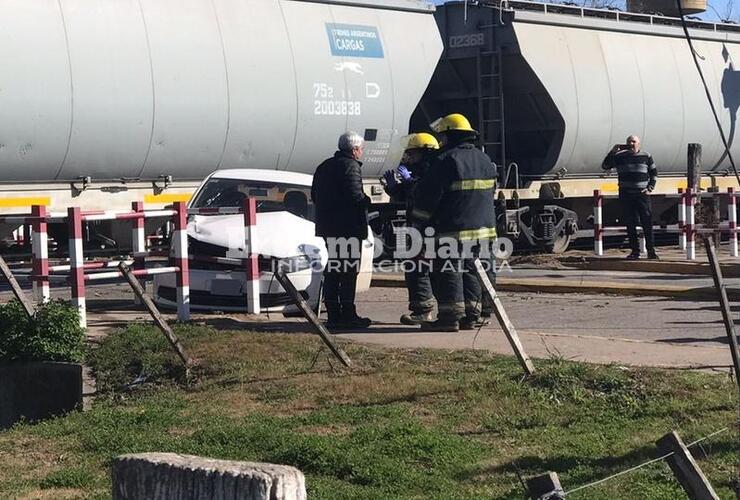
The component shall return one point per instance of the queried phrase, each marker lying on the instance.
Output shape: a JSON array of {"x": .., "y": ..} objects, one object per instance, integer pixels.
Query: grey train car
[
  {"x": 552, "y": 88},
  {"x": 105, "y": 103}
]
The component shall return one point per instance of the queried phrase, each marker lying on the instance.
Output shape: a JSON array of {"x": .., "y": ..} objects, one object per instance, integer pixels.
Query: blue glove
[
  {"x": 390, "y": 178},
  {"x": 404, "y": 172}
]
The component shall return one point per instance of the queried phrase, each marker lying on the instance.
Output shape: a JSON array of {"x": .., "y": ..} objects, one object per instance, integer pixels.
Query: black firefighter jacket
[
  {"x": 341, "y": 204},
  {"x": 456, "y": 195}
]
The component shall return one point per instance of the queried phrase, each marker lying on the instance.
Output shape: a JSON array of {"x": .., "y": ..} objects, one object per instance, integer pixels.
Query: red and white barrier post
[
  {"x": 138, "y": 238},
  {"x": 682, "y": 219},
  {"x": 77, "y": 263},
  {"x": 251, "y": 264},
  {"x": 180, "y": 241},
  {"x": 732, "y": 218},
  {"x": 598, "y": 224},
  {"x": 40, "y": 254},
  {"x": 690, "y": 222}
]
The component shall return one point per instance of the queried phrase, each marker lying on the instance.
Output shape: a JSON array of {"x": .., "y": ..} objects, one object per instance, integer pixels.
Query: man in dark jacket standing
[
  {"x": 456, "y": 198},
  {"x": 637, "y": 178},
  {"x": 341, "y": 219}
]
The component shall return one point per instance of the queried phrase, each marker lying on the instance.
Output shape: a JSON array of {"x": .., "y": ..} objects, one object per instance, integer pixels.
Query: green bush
[{"x": 53, "y": 334}]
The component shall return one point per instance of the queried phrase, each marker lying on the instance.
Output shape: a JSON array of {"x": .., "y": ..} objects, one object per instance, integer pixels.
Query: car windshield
[{"x": 270, "y": 196}]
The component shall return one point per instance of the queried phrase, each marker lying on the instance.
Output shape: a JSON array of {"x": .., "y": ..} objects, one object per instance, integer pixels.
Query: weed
[
  {"x": 136, "y": 355},
  {"x": 68, "y": 477}
]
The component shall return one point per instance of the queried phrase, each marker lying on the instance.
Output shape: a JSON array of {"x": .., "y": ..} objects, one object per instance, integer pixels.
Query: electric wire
[
  {"x": 706, "y": 89},
  {"x": 644, "y": 464}
]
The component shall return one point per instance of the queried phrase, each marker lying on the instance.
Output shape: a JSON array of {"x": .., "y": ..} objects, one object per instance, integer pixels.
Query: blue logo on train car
[{"x": 354, "y": 40}]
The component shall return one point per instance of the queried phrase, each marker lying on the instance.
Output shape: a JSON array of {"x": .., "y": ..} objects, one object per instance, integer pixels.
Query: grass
[{"x": 405, "y": 424}]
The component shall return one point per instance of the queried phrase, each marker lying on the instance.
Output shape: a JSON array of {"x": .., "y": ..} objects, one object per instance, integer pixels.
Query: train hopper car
[{"x": 552, "y": 87}]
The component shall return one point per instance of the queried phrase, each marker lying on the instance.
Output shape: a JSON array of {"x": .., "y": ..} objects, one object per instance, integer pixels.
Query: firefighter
[
  {"x": 421, "y": 148},
  {"x": 456, "y": 199}
]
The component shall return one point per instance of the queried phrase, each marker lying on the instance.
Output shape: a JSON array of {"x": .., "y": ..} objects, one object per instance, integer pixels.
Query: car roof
[{"x": 255, "y": 174}]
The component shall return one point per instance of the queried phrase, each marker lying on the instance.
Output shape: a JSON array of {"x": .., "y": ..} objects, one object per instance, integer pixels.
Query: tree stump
[{"x": 171, "y": 476}]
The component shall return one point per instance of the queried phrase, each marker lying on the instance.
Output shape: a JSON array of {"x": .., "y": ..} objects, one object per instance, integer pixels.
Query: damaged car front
[{"x": 283, "y": 237}]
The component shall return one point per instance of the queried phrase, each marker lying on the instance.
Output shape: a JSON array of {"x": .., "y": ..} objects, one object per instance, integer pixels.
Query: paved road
[
  {"x": 645, "y": 331},
  {"x": 656, "y": 331}
]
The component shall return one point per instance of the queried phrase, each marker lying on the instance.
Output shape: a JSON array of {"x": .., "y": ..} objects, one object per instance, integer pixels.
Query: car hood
[{"x": 277, "y": 234}]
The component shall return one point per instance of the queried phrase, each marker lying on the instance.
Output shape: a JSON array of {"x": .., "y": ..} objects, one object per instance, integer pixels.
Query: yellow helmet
[
  {"x": 421, "y": 140},
  {"x": 455, "y": 121}
]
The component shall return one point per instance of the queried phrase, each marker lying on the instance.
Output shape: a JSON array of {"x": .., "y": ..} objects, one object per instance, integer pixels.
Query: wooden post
[
  {"x": 503, "y": 319},
  {"x": 311, "y": 317},
  {"x": 685, "y": 468},
  {"x": 16, "y": 288},
  {"x": 158, "y": 319},
  {"x": 716, "y": 216},
  {"x": 724, "y": 306},
  {"x": 693, "y": 168},
  {"x": 545, "y": 487}
]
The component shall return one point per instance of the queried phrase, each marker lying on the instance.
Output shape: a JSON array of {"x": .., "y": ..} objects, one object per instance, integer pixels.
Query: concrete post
[{"x": 159, "y": 476}]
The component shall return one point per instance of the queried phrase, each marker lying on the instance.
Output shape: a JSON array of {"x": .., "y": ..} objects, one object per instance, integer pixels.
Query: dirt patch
[{"x": 544, "y": 261}]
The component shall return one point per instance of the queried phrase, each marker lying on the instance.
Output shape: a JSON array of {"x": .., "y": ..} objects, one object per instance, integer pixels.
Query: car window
[{"x": 271, "y": 197}]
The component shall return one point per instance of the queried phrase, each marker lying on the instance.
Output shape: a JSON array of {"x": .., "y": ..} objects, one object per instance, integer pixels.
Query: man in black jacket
[
  {"x": 637, "y": 178},
  {"x": 341, "y": 219}
]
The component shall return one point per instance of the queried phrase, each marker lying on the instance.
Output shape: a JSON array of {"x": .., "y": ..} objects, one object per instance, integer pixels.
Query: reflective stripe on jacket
[{"x": 457, "y": 194}]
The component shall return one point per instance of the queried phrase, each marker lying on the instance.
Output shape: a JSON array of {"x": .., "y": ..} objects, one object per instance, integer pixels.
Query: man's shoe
[
  {"x": 633, "y": 256},
  {"x": 440, "y": 326},
  {"x": 653, "y": 256},
  {"x": 472, "y": 323},
  {"x": 334, "y": 317},
  {"x": 414, "y": 319},
  {"x": 333, "y": 323},
  {"x": 356, "y": 322},
  {"x": 350, "y": 319}
]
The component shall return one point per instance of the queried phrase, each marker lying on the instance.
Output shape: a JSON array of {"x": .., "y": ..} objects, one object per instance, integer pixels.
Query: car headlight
[{"x": 295, "y": 264}]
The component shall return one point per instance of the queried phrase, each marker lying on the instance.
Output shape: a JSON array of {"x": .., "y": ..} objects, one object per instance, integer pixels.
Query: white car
[{"x": 284, "y": 233}]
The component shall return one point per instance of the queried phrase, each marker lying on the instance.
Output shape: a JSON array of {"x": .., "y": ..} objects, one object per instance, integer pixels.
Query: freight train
[
  {"x": 104, "y": 103},
  {"x": 553, "y": 87}
]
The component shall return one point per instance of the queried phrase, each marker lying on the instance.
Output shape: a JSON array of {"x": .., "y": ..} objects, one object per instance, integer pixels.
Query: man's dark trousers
[
  {"x": 636, "y": 210},
  {"x": 340, "y": 279}
]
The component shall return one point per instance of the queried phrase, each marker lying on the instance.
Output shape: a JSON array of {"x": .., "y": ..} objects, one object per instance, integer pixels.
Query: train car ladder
[{"x": 490, "y": 97}]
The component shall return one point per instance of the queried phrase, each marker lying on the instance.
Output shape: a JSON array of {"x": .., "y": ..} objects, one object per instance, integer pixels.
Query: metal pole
[
  {"x": 682, "y": 219},
  {"x": 252, "y": 270},
  {"x": 40, "y": 255},
  {"x": 180, "y": 241},
  {"x": 77, "y": 263},
  {"x": 732, "y": 218},
  {"x": 138, "y": 237},
  {"x": 598, "y": 224},
  {"x": 691, "y": 220}
]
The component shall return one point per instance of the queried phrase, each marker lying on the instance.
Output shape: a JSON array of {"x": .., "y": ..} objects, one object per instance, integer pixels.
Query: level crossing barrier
[
  {"x": 600, "y": 230},
  {"x": 74, "y": 218},
  {"x": 250, "y": 263},
  {"x": 687, "y": 227}
]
